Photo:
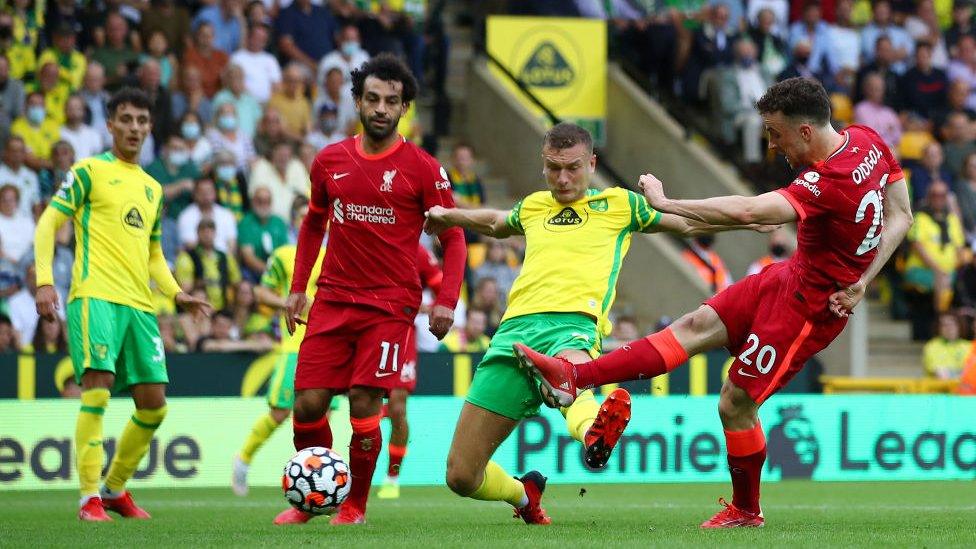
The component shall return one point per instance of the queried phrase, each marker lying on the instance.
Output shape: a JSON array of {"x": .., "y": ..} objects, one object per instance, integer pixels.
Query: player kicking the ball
[
  {"x": 576, "y": 240},
  {"x": 115, "y": 342},
  {"x": 853, "y": 209},
  {"x": 373, "y": 190}
]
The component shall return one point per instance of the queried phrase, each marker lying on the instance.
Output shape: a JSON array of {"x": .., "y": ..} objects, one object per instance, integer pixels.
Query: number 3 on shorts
[
  {"x": 765, "y": 359},
  {"x": 385, "y": 346}
]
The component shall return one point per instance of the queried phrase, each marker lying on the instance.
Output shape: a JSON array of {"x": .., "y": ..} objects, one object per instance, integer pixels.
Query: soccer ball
[{"x": 316, "y": 480}]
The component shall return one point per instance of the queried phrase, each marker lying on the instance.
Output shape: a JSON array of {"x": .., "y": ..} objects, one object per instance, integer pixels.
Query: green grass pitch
[{"x": 799, "y": 514}]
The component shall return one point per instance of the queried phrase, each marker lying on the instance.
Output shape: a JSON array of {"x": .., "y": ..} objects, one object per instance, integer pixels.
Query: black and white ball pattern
[{"x": 316, "y": 480}]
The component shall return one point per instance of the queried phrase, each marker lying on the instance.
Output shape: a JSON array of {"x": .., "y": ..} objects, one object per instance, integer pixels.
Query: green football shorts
[
  {"x": 115, "y": 338},
  {"x": 281, "y": 388},
  {"x": 500, "y": 385}
]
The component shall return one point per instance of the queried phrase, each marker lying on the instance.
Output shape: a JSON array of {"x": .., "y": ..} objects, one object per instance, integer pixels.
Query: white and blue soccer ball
[{"x": 316, "y": 480}]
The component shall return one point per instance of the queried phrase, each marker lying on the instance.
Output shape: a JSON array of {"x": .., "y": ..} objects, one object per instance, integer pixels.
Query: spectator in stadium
[
  {"x": 50, "y": 179},
  {"x": 779, "y": 10},
  {"x": 497, "y": 268},
  {"x": 963, "y": 67},
  {"x": 23, "y": 311},
  {"x": 291, "y": 103},
  {"x": 845, "y": 39},
  {"x": 167, "y": 17},
  {"x": 305, "y": 33},
  {"x": 16, "y": 227},
  {"x": 625, "y": 330},
  {"x": 84, "y": 139},
  {"x": 487, "y": 299},
  {"x": 711, "y": 46},
  {"x": 937, "y": 245},
  {"x": 348, "y": 55},
  {"x": 707, "y": 263},
  {"x": 231, "y": 186},
  {"x": 96, "y": 100},
  {"x": 249, "y": 321},
  {"x": 38, "y": 131},
  {"x": 882, "y": 65},
  {"x": 965, "y": 191},
  {"x": 956, "y": 98},
  {"x": 924, "y": 87},
  {"x": 325, "y": 132},
  {"x": 812, "y": 28},
  {"x": 923, "y": 27},
  {"x": 957, "y": 133},
  {"x": 259, "y": 233},
  {"x": 190, "y": 96},
  {"x": 149, "y": 75},
  {"x": 117, "y": 56},
  {"x": 176, "y": 172},
  {"x": 191, "y": 130},
  {"x": 227, "y": 136},
  {"x": 931, "y": 167},
  {"x": 8, "y": 337},
  {"x": 256, "y": 12},
  {"x": 337, "y": 94},
  {"x": 800, "y": 65},
  {"x": 271, "y": 130},
  {"x": 470, "y": 338},
  {"x": 962, "y": 23},
  {"x": 71, "y": 63},
  {"x": 883, "y": 24},
  {"x": 205, "y": 207},
  {"x": 49, "y": 337},
  {"x": 945, "y": 354},
  {"x": 168, "y": 332},
  {"x": 14, "y": 172},
  {"x": 158, "y": 50},
  {"x": 468, "y": 190},
  {"x": 226, "y": 17},
  {"x": 63, "y": 261},
  {"x": 221, "y": 340},
  {"x": 262, "y": 73},
  {"x": 11, "y": 98},
  {"x": 234, "y": 92},
  {"x": 873, "y": 112},
  {"x": 208, "y": 60},
  {"x": 771, "y": 49},
  {"x": 283, "y": 175},
  {"x": 55, "y": 92},
  {"x": 202, "y": 266},
  {"x": 739, "y": 86},
  {"x": 10, "y": 277},
  {"x": 780, "y": 249}
]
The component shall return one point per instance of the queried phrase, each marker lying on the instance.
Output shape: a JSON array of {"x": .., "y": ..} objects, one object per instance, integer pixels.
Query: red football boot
[
  {"x": 556, "y": 374},
  {"x": 292, "y": 516},
  {"x": 532, "y": 512},
  {"x": 733, "y": 517},
  {"x": 93, "y": 511},
  {"x": 124, "y": 506},
  {"x": 610, "y": 422},
  {"x": 348, "y": 515}
]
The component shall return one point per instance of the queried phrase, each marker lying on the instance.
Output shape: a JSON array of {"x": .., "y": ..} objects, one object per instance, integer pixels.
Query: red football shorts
[
  {"x": 408, "y": 371},
  {"x": 772, "y": 331},
  {"x": 347, "y": 345}
]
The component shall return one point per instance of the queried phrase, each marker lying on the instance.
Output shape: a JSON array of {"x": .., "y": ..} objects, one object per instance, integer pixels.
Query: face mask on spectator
[
  {"x": 190, "y": 130},
  {"x": 350, "y": 48},
  {"x": 35, "y": 114},
  {"x": 328, "y": 125},
  {"x": 178, "y": 158},
  {"x": 227, "y": 122},
  {"x": 226, "y": 172},
  {"x": 747, "y": 62}
]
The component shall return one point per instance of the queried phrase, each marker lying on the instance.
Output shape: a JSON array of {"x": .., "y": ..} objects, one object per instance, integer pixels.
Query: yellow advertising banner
[{"x": 562, "y": 61}]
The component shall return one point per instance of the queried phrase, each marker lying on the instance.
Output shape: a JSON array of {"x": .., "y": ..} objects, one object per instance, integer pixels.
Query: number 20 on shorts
[{"x": 765, "y": 358}]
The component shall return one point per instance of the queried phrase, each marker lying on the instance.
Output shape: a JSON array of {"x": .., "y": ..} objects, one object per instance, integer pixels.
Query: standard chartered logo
[{"x": 365, "y": 214}]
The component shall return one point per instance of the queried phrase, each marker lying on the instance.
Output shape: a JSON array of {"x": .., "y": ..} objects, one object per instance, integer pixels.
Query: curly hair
[
  {"x": 129, "y": 96},
  {"x": 388, "y": 68},
  {"x": 797, "y": 98}
]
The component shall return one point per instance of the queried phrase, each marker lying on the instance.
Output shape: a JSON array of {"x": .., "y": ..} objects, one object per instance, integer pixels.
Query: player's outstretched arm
[
  {"x": 683, "y": 226},
  {"x": 898, "y": 219},
  {"x": 267, "y": 296},
  {"x": 483, "y": 221},
  {"x": 47, "y": 226},
  {"x": 769, "y": 208}
]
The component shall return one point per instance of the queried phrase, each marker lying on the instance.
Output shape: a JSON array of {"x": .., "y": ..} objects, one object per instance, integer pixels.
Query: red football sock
[
  {"x": 396, "y": 458},
  {"x": 364, "y": 450},
  {"x": 315, "y": 433},
  {"x": 650, "y": 356},
  {"x": 747, "y": 453}
]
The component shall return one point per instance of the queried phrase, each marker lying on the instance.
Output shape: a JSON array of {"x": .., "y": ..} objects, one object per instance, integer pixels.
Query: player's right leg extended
[
  {"x": 311, "y": 428},
  {"x": 88, "y": 442}
]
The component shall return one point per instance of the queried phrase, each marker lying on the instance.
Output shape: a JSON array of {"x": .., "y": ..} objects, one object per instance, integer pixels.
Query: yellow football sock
[
  {"x": 499, "y": 486},
  {"x": 263, "y": 428},
  {"x": 132, "y": 446},
  {"x": 88, "y": 439},
  {"x": 581, "y": 414}
]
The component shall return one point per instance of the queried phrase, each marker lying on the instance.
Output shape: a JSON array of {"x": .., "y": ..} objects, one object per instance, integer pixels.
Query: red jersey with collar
[
  {"x": 375, "y": 206},
  {"x": 840, "y": 203}
]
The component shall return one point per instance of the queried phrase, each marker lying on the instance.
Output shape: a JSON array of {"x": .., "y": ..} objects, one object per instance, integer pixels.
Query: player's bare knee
[
  {"x": 365, "y": 401},
  {"x": 280, "y": 414},
  {"x": 309, "y": 406},
  {"x": 461, "y": 480}
]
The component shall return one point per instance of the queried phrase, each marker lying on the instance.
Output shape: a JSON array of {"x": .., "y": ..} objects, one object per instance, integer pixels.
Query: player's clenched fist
[
  {"x": 294, "y": 308},
  {"x": 47, "y": 302},
  {"x": 441, "y": 320},
  {"x": 653, "y": 190},
  {"x": 436, "y": 221}
]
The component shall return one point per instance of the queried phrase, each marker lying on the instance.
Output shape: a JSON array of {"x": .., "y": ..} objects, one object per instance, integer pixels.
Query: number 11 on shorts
[{"x": 385, "y": 346}]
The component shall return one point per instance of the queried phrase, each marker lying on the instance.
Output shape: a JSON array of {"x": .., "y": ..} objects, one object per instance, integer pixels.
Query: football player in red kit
[
  {"x": 373, "y": 190},
  {"x": 853, "y": 209}
]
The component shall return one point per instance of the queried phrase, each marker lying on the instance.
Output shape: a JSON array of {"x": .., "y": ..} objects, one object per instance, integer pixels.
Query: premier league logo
[{"x": 792, "y": 444}]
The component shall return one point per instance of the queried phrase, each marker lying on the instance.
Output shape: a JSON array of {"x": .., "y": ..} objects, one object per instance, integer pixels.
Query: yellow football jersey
[
  {"x": 116, "y": 211},
  {"x": 574, "y": 251},
  {"x": 277, "y": 276}
]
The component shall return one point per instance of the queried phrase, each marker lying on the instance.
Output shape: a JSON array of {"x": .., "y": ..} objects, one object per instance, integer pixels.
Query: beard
[{"x": 379, "y": 134}]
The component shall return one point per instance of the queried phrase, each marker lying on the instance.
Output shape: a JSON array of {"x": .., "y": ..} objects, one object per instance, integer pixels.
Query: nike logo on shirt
[
  {"x": 741, "y": 373},
  {"x": 339, "y": 176}
]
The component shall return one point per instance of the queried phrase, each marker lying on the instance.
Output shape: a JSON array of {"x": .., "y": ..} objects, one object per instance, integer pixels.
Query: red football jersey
[
  {"x": 429, "y": 270},
  {"x": 375, "y": 205},
  {"x": 840, "y": 202}
]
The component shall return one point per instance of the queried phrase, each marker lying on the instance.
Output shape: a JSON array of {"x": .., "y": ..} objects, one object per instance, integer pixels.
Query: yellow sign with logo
[{"x": 562, "y": 61}]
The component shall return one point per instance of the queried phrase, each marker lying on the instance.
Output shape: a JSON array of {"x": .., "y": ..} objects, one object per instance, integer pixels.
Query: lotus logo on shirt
[
  {"x": 134, "y": 219},
  {"x": 567, "y": 216}
]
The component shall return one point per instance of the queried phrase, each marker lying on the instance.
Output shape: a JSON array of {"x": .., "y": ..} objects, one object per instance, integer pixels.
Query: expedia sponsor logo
[
  {"x": 547, "y": 68},
  {"x": 807, "y": 185},
  {"x": 365, "y": 214},
  {"x": 864, "y": 169}
]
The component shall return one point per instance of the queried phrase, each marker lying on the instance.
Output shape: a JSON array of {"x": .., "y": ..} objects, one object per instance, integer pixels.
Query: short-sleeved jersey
[
  {"x": 277, "y": 277},
  {"x": 116, "y": 211},
  {"x": 574, "y": 251},
  {"x": 375, "y": 205},
  {"x": 840, "y": 203}
]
